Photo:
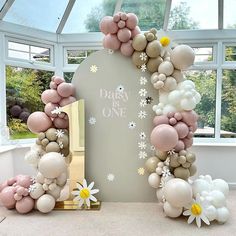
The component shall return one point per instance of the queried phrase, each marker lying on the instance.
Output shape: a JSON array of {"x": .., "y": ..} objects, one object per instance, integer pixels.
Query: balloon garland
[{"x": 174, "y": 124}]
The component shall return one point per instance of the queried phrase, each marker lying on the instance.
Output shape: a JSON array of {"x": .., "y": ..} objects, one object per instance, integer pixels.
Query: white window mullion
[{"x": 58, "y": 59}]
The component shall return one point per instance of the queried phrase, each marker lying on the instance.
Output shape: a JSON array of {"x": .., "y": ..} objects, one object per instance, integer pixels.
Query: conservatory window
[
  {"x": 229, "y": 14},
  {"x": 77, "y": 56},
  {"x": 230, "y": 53},
  {"x": 203, "y": 54}
]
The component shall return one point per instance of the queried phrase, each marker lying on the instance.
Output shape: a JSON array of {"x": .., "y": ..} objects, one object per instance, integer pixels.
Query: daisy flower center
[
  {"x": 84, "y": 193},
  {"x": 196, "y": 209}
]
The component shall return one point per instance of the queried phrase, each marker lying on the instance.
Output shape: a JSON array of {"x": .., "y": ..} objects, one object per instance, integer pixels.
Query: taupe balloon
[
  {"x": 41, "y": 135},
  {"x": 153, "y": 49},
  {"x": 65, "y": 152},
  {"x": 151, "y": 164},
  {"x": 182, "y": 173},
  {"x": 53, "y": 147},
  {"x": 55, "y": 193},
  {"x": 137, "y": 59},
  {"x": 64, "y": 140},
  {"x": 153, "y": 64},
  {"x": 174, "y": 161},
  {"x": 161, "y": 155},
  {"x": 181, "y": 159},
  {"x": 61, "y": 180},
  {"x": 139, "y": 42},
  {"x": 191, "y": 157},
  {"x": 45, "y": 142},
  {"x": 186, "y": 165},
  {"x": 166, "y": 68},
  {"x": 51, "y": 134},
  {"x": 192, "y": 170}
]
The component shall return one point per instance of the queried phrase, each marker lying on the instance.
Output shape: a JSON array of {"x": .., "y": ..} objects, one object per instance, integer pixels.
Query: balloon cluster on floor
[
  {"x": 49, "y": 156},
  {"x": 174, "y": 124}
]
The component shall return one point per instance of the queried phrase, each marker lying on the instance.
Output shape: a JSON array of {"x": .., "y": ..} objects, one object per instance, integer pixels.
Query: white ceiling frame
[
  {"x": 5, "y": 8},
  {"x": 65, "y": 16},
  {"x": 118, "y": 6},
  {"x": 220, "y": 14},
  {"x": 167, "y": 14}
]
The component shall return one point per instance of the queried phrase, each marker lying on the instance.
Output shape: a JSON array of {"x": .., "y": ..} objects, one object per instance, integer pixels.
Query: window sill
[
  {"x": 10, "y": 147},
  {"x": 215, "y": 144}
]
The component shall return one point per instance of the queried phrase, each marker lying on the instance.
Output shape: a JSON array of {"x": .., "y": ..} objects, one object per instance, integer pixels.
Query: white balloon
[
  {"x": 218, "y": 198},
  {"x": 220, "y": 185},
  {"x": 171, "y": 211},
  {"x": 37, "y": 191},
  {"x": 178, "y": 192},
  {"x": 52, "y": 165},
  {"x": 45, "y": 203},
  {"x": 211, "y": 213},
  {"x": 174, "y": 97},
  {"x": 159, "y": 194},
  {"x": 61, "y": 180},
  {"x": 168, "y": 108},
  {"x": 188, "y": 104},
  {"x": 200, "y": 185},
  {"x": 222, "y": 214},
  {"x": 154, "y": 180}
]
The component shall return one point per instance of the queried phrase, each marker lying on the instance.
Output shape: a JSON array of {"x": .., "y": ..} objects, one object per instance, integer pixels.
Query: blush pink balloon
[
  {"x": 38, "y": 122},
  {"x": 123, "y": 16},
  {"x": 66, "y": 101},
  {"x": 121, "y": 24},
  {"x": 107, "y": 25},
  {"x": 126, "y": 49},
  {"x": 23, "y": 181},
  {"x": 182, "y": 129},
  {"x": 189, "y": 117},
  {"x": 193, "y": 128},
  {"x": 3, "y": 185},
  {"x": 53, "y": 85},
  {"x": 132, "y": 21},
  {"x": 7, "y": 197},
  {"x": 164, "y": 137},
  {"x": 158, "y": 120},
  {"x": 11, "y": 181},
  {"x": 179, "y": 146},
  {"x": 172, "y": 121},
  {"x": 62, "y": 115},
  {"x": 65, "y": 89},
  {"x": 61, "y": 123},
  {"x": 111, "y": 41},
  {"x": 190, "y": 134},
  {"x": 178, "y": 116},
  {"x": 25, "y": 205},
  {"x": 49, "y": 107},
  {"x": 117, "y": 17},
  {"x": 188, "y": 142},
  {"x": 124, "y": 35},
  {"x": 58, "y": 80},
  {"x": 50, "y": 95},
  {"x": 135, "y": 31}
]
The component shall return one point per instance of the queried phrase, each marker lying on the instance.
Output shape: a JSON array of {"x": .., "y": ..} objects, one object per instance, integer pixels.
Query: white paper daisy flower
[
  {"x": 92, "y": 120},
  {"x": 57, "y": 110},
  {"x": 142, "y": 135},
  {"x": 59, "y": 133},
  {"x": 93, "y": 68},
  {"x": 143, "y": 80},
  {"x": 142, "y": 103},
  {"x": 142, "y": 114},
  {"x": 143, "y": 56},
  {"x": 141, "y": 171},
  {"x": 143, "y": 67},
  {"x": 110, "y": 177},
  {"x": 142, "y": 145},
  {"x": 142, "y": 92},
  {"x": 120, "y": 89},
  {"x": 85, "y": 193},
  {"x": 142, "y": 155},
  {"x": 131, "y": 125},
  {"x": 196, "y": 211}
]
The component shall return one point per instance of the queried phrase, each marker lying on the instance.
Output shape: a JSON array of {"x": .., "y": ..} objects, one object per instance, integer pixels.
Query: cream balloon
[
  {"x": 178, "y": 192},
  {"x": 200, "y": 185},
  {"x": 159, "y": 194},
  {"x": 154, "y": 180},
  {"x": 37, "y": 191},
  {"x": 45, "y": 203},
  {"x": 171, "y": 211}
]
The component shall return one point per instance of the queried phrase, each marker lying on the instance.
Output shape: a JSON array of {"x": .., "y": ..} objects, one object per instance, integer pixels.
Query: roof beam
[
  {"x": 5, "y": 8},
  {"x": 65, "y": 16},
  {"x": 167, "y": 14},
  {"x": 118, "y": 6},
  {"x": 220, "y": 14}
]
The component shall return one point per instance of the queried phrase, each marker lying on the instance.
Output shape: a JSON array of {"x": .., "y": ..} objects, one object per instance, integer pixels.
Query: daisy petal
[
  {"x": 81, "y": 202},
  {"x": 79, "y": 186},
  {"x": 198, "y": 220},
  {"x": 91, "y": 186},
  {"x": 75, "y": 192},
  {"x": 190, "y": 219},
  {"x": 187, "y": 213},
  {"x": 94, "y": 191},
  {"x": 204, "y": 218},
  {"x": 88, "y": 202},
  {"x": 84, "y": 183},
  {"x": 93, "y": 198},
  {"x": 77, "y": 198}
]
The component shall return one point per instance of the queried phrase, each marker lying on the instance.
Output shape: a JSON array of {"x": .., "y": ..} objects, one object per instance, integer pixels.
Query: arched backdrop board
[{"x": 114, "y": 150}]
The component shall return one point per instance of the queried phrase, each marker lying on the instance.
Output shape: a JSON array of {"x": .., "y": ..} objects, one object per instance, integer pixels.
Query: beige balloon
[
  {"x": 190, "y": 157},
  {"x": 161, "y": 155},
  {"x": 174, "y": 161},
  {"x": 170, "y": 84},
  {"x": 61, "y": 180},
  {"x": 181, "y": 159},
  {"x": 182, "y": 173},
  {"x": 45, "y": 203},
  {"x": 178, "y": 75},
  {"x": 55, "y": 192},
  {"x": 41, "y": 135},
  {"x": 51, "y": 134},
  {"x": 40, "y": 178},
  {"x": 171, "y": 211},
  {"x": 153, "y": 64},
  {"x": 151, "y": 164},
  {"x": 192, "y": 170},
  {"x": 153, "y": 49},
  {"x": 53, "y": 147},
  {"x": 154, "y": 180},
  {"x": 45, "y": 142},
  {"x": 37, "y": 191},
  {"x": 166, "y": 68},
  {"x": 139, "y": 42},
  {"x": 137, "y": 59},
  {"x": 64, "y": 140}
]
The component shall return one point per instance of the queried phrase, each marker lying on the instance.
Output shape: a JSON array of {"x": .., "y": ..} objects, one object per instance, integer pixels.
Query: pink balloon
[
  {"x": 25, "y": 205},
  {"x": 172, "y": 121},
  {"x": 164, "y": 137},
  {"x": 7, "y": 197},
  {"x": 193, "y": 128},
  {"x": 50, "y": 95},
  {"x": 61, "y": 123},
  {"x": 126, "y": 49},
  {"x": 65, "y": 89},
  {"x": 49, "y": 107},
  {"x": 58, "y": 80},
  {"x": 135, "y": 31},
  {"x": 121, "y": 24},
  {"x": 189, "y": 117},
  {"x": 107, "y": 25},
  {"x": 182, "y": 129},
  {"x": 190, "y": 134},
  {"x": 38, "y": 122},
  {"x": 66, "y": 101},
  {"x": 123, "y": 16},
  {"x": 20, "y": 190},
  {"x": 53, "y": 85},
  {"x": 3, "y": 185},
  {"x": 62, "y": 115},
  {"x": 11, "y": 181},
  {"x": 132, "y": 21},
  {"x": 23, "y": 180},
  {"x": 117, "y": 17},
  {"x": 188, "y": 142},
  {"x": 111, "y": 41},
  {"x": 124, "y": 35},
  {"x": 158, "y": 120},
  {"x": 17, "y": 197},
  {"x": 179, "y": 146},
  {"x": 178, "y": 116}
]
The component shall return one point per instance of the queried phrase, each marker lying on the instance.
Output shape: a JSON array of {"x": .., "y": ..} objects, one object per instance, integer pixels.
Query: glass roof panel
[
  {"x": 85, "y": 17},
  {"x": 150, "y": 12},
  {"x": 229, "y": 14},
  {"x": 193, "y": 14},
  {"x": 39, "y": 14},
  {"x": 2, "y": 2}
]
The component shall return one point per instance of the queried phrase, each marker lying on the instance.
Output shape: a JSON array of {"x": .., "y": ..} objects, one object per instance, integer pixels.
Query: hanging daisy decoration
[
  {"x": 84, "y": 194},
  {"x": 196, "y": 211}
]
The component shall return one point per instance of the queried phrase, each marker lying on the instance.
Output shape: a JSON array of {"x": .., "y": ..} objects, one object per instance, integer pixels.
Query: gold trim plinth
[{"x": 73, "y": 205}]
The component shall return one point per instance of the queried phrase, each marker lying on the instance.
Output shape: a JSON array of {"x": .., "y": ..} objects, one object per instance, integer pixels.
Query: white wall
[{"x": 218, "y": 161}]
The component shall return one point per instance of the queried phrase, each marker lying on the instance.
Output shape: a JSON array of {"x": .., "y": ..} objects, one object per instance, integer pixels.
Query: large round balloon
[
  {"x": 45, "y": 203},
  {"x": 7, "y": 197},
  {"x": 164, "y": 137},
  {"x": 25, "y": 205}
]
